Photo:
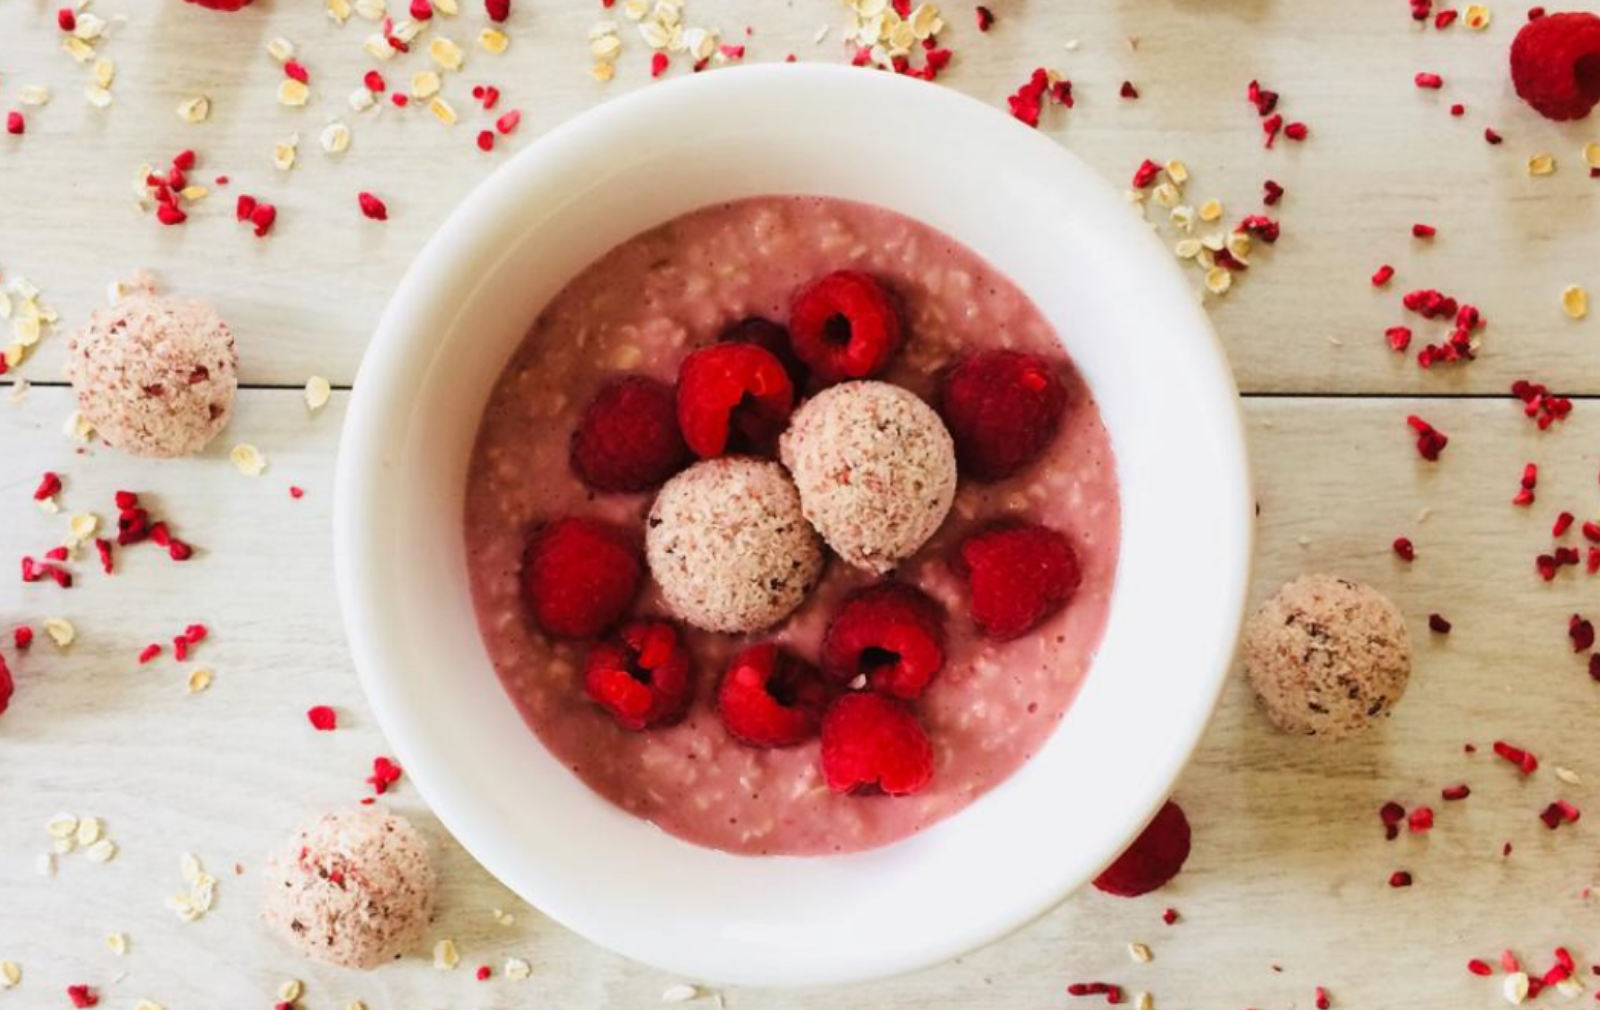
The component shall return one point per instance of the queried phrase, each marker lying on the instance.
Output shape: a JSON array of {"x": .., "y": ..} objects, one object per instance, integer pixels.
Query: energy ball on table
[
  {"x": 729, "y": 546},
  {"x": 352, "y": 888},
  {"x": 155, "y": 375},
  {"x": 1327, "y": 657},
  {"x": 876, "y": 471}
]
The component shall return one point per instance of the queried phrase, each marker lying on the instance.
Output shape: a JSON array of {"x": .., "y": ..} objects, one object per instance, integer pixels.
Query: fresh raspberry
[
  {"x": 1555, "y": 65},
  {"x": 772, "y": 338},
  {"x": 733, "y": 397},
  {"x": 1154, "y": 858},
  {"x": 872, "y": 743},
  {"x": 845, "y": 326},
  {"x": 1018, "y": 574},
  {"x": 771, "y": 698},
  {"x": 1002, "y": 408},
  {"x": 579, "y": 576},
  {"x": 7, "y": 686},
  {"x": 641, "y": 675},
  {"x": 223, "y": 5},
  {"x": 890, "y": 633},
  {"x": 628, "y": 438}
]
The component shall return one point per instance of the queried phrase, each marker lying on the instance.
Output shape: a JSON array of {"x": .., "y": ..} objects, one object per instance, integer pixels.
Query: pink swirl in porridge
[{"x": 640, "y": 309}]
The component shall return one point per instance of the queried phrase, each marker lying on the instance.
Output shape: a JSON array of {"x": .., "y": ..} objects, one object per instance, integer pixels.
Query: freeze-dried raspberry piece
[
  {"x": 874, "y": 744},
  {"x": 771, "y": 698},
  {"x": 732, "y": 397},
  {"x": 642, "y": 675},
  {"x": 1003, "y": 408},
  {"x": 845, "y": 326},
  {"x": 1555, "y": 65},
  {"x": 1018, "y": 574},
  {"x": 628, "y": 439},
  {"x": 889, "y": 633},
  {"x": 1154, "y": 858},
  {"x": 579, "y": 576}
]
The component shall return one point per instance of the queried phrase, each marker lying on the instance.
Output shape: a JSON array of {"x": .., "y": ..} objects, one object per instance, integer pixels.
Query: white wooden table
[{"x": 1286, "y": 889}]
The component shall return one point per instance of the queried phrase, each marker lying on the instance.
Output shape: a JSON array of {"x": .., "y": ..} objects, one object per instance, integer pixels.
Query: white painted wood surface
[{"x": 1290, "y": 864}]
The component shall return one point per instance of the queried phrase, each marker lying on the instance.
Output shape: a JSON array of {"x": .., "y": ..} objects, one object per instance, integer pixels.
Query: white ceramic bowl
[{"x": 1128, "y": 318}]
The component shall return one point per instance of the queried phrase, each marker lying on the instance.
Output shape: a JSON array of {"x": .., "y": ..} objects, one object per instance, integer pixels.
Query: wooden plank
[
  {"x": 1289, "y": 866},
  {"x": 1382, "y": 155}
]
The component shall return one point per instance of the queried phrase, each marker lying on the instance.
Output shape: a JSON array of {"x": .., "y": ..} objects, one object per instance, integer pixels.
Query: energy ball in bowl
[
  {"x": 729, "y": 546},
  {"x": 876, "y": 471},
  {"x": 155, "y": 375},
  {"x": 1327, "y": 657},
  {"x": 352, "y": 888}
]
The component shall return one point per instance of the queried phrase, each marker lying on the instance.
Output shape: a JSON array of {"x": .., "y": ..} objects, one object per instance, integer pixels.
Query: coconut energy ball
[
  {"x": 876, "y": 471},
  {"x": 155, "y": 375},
  {"x": 1327, "y": 657},
  {"x": 352, "y": 888},
  {"x": 729, "y": 546}
]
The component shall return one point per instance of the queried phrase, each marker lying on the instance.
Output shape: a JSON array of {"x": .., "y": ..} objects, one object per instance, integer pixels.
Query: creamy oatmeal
[{"x": 640, "y": 309}]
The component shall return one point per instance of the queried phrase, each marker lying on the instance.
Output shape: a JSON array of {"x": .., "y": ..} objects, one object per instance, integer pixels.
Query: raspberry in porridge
[{"x": 791, "y": 527}]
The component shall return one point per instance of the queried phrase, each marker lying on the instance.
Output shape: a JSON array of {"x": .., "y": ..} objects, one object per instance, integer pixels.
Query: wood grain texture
[
  {"x": 1289, "y": 866},
  {"x": 1383, "y": 155}
]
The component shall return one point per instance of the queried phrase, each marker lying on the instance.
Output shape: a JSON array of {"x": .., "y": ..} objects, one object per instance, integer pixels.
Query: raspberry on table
[
  {"x": 1555, "y": 65},
  {"x": 628, "y": 438},
  {"x": 890, "y": 633},
  {"x": 1003, "y": 408},
  {"x": 643, "y": 675},
  {"x": 871, "y": 743},
  {"x": 771, "y": 698},
  {"x": 579, "y": 576},
  {"x": 1154, "y": 858},
  {"x": 733, "y": 397},
  {"x": 845, "y": 326},
  {"x": 222, "y": 5},
  {"x": 1018, "y": 574}
]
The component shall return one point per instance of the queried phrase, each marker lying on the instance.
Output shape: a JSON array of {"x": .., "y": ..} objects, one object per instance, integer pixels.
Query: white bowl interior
[{"x": 1130, "y": 322}]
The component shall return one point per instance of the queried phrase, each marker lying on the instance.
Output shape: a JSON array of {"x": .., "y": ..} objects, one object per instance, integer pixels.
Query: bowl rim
[{"x": 365, "y": 431}]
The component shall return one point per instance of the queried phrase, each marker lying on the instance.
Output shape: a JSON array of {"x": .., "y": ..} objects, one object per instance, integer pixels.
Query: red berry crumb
[
  {"x": 372, "y": 207},
  {"x": 1555, "y": 65},
  {"x": 1420, "y": 821},
  {"x": 1404, "y": 549},
  {"x": 1424, "y": 231},
  {"x": 1018, "y": 574},
  {"x": 845, "y": 325},
  {"x": 1525, "y": 760},
  {"x": 322, "y": 718},
  {"x": 1438, "y": 624},
  {"x": 890, "y": 633},
  {"x": 15, "y": 124},
  {"x": 1321, "y": 1000},
  {"x": 985, "y": 19},
  {"x": 498, "y": 10},
  {"x": 483, "y": 973},
  {"x": 732, "y": 397},
  {"x": 1581, "y": 631},
  {"x": 871, "y": 743},
  {"x": 82, "y": 996},
  {"x": 643, "y": 675},
  {"x": 1170, "y": 916},
  {"x": 1128, "y": 91},
  {"x": 385, "y": 773},
  {"x": 579, "y": 577},
  {"x": 1003, "y": 408},
  {"x": 1479, "y": 967},
  {"x": 628, "y": 438},
  {"x": 1430, "y": 441},
  {"x": 770, "y": 697},
  {"x": 1431, "y": 82},
  {"x": 1400, "y": 878},
  {"x": 1154, "y": 858}
]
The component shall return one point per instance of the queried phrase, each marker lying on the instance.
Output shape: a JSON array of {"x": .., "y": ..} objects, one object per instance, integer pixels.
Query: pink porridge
[{"x": 639, "y": 310}]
